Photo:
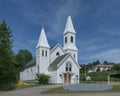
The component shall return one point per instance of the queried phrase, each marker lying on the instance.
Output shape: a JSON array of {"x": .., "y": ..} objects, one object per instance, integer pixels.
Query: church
[{"x": 60, "y": 63}]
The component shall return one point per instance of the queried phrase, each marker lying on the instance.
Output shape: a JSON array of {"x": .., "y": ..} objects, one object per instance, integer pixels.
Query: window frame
[
  {"x": 71, "y": 39},
  {"x": 65, "y": 39}
]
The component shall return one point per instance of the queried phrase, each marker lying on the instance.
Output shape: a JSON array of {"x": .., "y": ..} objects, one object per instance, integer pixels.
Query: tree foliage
[
  {"x": 116, "y": 68},
  {"x": 22, "y": 58},
  {"x": 105, "y": 62},
  {"x": 7, "y": 64},
  {"x": 43, "y": 78}
]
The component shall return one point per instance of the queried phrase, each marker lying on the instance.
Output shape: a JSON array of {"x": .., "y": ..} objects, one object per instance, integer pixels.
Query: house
[
  {"x": 101, "y": 67},
  {"x": 60, "y": 63}
]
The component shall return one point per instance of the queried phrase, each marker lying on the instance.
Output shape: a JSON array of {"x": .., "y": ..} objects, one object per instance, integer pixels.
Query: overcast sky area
[{"x": 97, "y": 25}]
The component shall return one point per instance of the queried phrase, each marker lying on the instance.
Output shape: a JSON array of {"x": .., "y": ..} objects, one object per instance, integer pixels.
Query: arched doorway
[{"x": 67, "y": 78}]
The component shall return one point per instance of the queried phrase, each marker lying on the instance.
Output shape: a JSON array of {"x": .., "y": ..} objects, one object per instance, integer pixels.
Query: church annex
[{"x": 60, "y": 63}]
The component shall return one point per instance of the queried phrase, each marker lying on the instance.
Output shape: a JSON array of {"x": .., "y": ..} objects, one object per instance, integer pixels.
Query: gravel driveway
[{"x": 35, "y": 91}]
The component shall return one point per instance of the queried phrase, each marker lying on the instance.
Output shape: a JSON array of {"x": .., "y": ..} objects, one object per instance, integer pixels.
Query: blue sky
[{"x": 97, "y": 25}]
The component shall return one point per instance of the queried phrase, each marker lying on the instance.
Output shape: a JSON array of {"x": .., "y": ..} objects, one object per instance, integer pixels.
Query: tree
[
  {"x": 7, "y": 64},
  {"x": 105, "y": 62},
  {"x": 116, "y": 67},
  {"x": 98, "y": 69},
  {"x": 22, "y": 58}
]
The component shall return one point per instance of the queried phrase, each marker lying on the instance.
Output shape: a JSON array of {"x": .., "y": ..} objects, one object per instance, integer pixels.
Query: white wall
[
  {"x": 62, "y": 70},
  {"x": 53, "y": 76},
  {"x": 44, "y": 61},
  {"x": 28, "y": 74},
  {"x": 53, "y": 54}
]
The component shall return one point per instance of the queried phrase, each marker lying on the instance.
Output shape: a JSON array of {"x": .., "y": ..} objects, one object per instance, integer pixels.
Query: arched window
[
  {"x": 72, "y": 39},
  {"x": 57, "y": 54},
  {"x": 74, "y": 55},
  {"x": 65, "y": 39},
  {"x": 42, "y": 52},
  {"x": 68, "y": 67},
  {"x": 46, "y": 53},
  {"x": 38, "y": 69}
]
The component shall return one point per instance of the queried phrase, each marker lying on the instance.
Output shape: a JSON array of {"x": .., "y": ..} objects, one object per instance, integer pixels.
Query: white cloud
[
  {"x": 112, "y": 55},
  {"x": 69, "y": 8}
]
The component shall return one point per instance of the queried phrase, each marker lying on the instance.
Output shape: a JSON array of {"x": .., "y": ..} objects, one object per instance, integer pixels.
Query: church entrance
[{"x": 67, "y": 78}]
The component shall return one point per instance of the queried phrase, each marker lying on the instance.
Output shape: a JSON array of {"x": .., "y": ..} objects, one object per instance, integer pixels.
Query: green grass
[
  {"x": 60, "y": 90},
  {"x": 17, "y": 87}
]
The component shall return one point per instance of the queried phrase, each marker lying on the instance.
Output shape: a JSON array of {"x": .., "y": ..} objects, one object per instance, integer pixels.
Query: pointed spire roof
[
  {"x": 69, "y": 26},
  {"x": 42, "y": 40}
]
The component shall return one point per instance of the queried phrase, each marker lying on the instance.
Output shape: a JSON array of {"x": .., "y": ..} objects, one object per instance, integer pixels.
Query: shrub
[
  {"x": 99, "y": 76},
  {"x": 43, "y": 78}
]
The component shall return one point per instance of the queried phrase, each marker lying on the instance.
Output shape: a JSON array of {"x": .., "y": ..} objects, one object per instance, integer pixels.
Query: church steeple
[
  {"x": 43, "y": 40},
  {"x": 70, "y": 39},
  {"x": 69, "y": 26},
  {"x": 42, "y": 53}
]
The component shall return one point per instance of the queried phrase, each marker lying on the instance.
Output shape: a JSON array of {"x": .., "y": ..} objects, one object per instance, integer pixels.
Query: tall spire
[
  {"x": 69, "y": 26},
  {"x": 42, "y": 40}
]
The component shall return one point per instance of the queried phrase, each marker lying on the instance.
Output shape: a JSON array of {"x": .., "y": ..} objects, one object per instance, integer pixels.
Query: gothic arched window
[
  {"x": 68, "y": 67},
  {"x": 42, "y": 52},
  {"x": 46, "y": 53},
  {"x": 74, "y": 55},
  {"x": 57, "y": 54},
  {"x": 72, "y": 39},
  {"x": 65, "y": 39}
]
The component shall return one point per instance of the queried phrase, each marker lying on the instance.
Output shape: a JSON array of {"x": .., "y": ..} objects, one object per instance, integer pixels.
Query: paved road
[{"x": 35, "y": 91}]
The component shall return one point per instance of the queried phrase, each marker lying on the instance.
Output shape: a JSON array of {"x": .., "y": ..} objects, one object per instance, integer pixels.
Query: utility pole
[{"x": 85, "y": 70}]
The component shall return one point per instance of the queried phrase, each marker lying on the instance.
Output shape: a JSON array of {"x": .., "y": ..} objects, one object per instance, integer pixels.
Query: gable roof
[
  {"x": 57, "y": 62},
  {"x": 69, "y": 26},
  {"x": 56, "y": 46},
  {"x": 43, "y": 40},
  {"x": 53, "y": 66},
  {"x": 31, "y": 63},
  {"x": 104, "y": 65}
]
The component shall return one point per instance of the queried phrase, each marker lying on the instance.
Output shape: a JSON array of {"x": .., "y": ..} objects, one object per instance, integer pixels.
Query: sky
[{"x": 97, "y": 25}]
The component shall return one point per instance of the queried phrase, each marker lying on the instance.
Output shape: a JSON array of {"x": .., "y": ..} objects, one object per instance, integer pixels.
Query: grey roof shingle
[
  {"x": 104, "y": 65},
  {"x": 31, "y": 63},
  {"x": 53, "y": 65}
]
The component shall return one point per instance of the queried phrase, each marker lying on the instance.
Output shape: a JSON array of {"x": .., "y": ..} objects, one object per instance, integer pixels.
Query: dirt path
[{"x": 35, "y": 91}]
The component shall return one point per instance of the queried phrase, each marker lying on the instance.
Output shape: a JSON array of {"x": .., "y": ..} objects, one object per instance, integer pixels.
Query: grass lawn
[
  {"x": 60, "y": 90},
  {"x": 18, "y": 87}
]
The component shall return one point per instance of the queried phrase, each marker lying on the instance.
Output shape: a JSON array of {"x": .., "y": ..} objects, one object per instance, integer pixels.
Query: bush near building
[{"x": 43, "y": 78}]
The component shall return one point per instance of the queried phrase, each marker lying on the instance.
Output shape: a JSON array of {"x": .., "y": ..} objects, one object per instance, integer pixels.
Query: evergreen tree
[{"x": 7, "y": 65}]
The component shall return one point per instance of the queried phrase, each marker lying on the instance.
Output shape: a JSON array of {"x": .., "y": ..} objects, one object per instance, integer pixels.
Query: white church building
[{"x": 60, "y": 63}]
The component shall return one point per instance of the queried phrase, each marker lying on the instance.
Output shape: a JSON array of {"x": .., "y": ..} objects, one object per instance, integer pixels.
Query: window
[
  {"x": 68, "y": 67},
  {"x": 57, "y": 54},
  {"x": 65, "y": 39},
  {"x": 42, "y": 52},
  {"x": 72, "y": 39},
  {"x": 46, "y": 53},
  {"x": 74, "y": 55},
  {"x": 38, "y": 69}
]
